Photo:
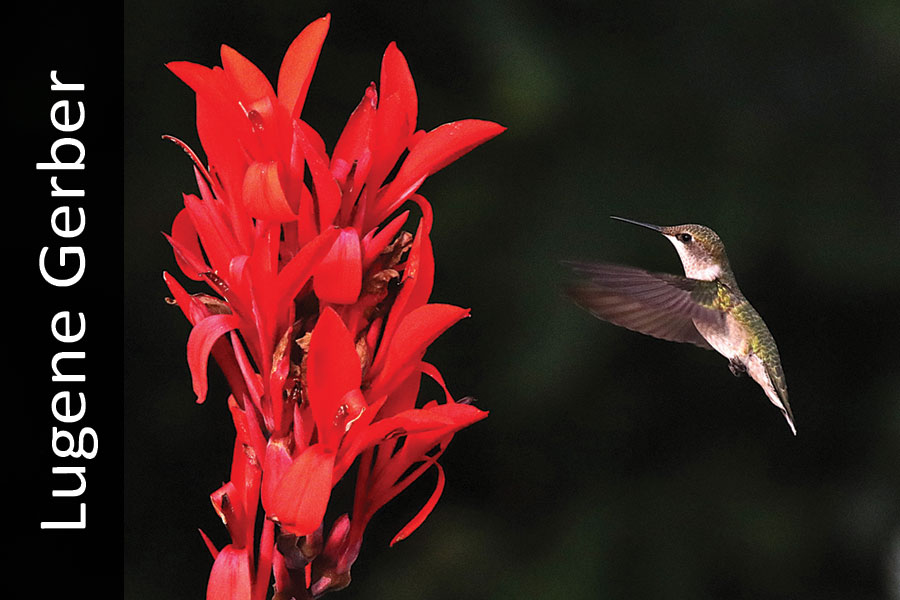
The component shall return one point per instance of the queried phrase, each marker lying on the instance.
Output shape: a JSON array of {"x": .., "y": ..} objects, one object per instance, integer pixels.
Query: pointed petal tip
[
  {"x": 209, "y": 545},
  {"x": 299, "y": 63}
]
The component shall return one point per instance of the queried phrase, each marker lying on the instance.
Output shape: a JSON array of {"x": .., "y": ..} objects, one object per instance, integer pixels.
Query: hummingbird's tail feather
[
  {"x": 778, "y": 395},
  {"x": 790, "y": 420}
]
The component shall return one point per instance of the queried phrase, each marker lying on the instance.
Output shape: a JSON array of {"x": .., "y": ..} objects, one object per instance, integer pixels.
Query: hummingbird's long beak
[{"x": 647, "y": 225}]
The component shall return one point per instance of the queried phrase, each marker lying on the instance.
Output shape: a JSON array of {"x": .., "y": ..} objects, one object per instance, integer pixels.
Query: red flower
[{"x": 320, "y": 316}]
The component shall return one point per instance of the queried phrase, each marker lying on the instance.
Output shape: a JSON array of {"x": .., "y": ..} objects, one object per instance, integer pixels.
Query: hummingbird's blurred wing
[{"x": 657, "y": 304}]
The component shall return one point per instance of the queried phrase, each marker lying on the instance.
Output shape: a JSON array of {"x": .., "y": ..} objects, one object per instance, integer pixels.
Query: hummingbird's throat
[
  {"x": 697, "y": 265},
  {"x": 707, "y": 273}
]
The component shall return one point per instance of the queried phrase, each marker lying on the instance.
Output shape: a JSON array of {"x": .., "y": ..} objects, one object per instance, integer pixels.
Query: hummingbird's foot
[{"x": 737, "y": 367}]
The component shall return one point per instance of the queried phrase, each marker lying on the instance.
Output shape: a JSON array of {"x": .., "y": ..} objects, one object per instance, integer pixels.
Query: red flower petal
[
  {"x": 396, "y": 79},
  {"x": 352, "y": 148},
  {"x": 418, "y": 278},
  {"x": 263, "y": 194},
  {"x": 432, "y": 371},
  {"x": 427, "y": 422},
  {"x": 389, "y": 138},
  {"x": 338, "y": 279},
  {"x": 249, "y": 434},
  {"x": 425, "y": 511},
  {"x": 186, "y": 244},
  {"x": 332, "y": 371},
  {"x": 278, "y": 461},
  {"x": 397, "y": 465},
  {"x": 209, "y": 545},
  {"x": 327, "y": 190},
  {"x": 200, "y": 343},
  {"x": 298, "y": 65},
  {"x": 191, "y": 307},
  {"x": 299, "y": 269},
  {"x": 230, "y": 576},
  {"x": 417, "y": 330},
  {"x": 245, "y": 76},
  {"x": 198, "y": 77},
  {"x": 437, "y": 149},
  {"x": 216, "y": 236},
  {"x": 374, "y": 243},
  {"x": 301, "y": 497},
  {"x": 221, "y": 124}
]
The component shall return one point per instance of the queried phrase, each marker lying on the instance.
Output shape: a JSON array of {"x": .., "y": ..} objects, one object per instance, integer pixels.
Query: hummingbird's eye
[{"x": 685, "y": 237}]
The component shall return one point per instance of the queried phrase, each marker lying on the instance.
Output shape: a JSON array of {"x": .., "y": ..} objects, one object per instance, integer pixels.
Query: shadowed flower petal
[
  {"x": 301, "y": 497},
  {"x": 230, "y": 578},
  {"x": 263, "y": 193},
  {"x": 184, "y": 240},
  {"x": 203, "y": 336},
  {"x": 327, "y": 190}
]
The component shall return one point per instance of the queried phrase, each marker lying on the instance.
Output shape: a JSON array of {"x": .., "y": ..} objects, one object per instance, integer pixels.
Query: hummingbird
[{"x": 705, "y": 307}]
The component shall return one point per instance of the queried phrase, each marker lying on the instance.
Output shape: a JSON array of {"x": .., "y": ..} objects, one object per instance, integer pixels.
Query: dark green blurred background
[{"x": 612, "y": 465}]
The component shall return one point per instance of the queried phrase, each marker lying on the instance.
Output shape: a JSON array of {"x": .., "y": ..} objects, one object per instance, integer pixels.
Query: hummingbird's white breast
[{"x": 728, "y": 337}]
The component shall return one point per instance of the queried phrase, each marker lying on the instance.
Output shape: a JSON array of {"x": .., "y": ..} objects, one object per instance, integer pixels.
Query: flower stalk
[{"x": 318, "y": 314}]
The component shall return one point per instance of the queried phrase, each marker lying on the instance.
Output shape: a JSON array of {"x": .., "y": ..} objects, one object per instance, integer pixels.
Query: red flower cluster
[{"x": 321, "y": 317}]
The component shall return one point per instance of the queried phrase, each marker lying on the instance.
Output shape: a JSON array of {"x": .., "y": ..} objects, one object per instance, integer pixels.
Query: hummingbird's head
[{"x": 700, "y": 249}]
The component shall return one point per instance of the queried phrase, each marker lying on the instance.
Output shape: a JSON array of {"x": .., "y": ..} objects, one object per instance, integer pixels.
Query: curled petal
[
  {"x": 200, "y": 343},
  {"x": 425, "y": 511},
  {"x": 301, "y": 496},
  {"x": 433, "y": 372},
  {"x": 338, "y": 279},
  {"x": 263, "y": 193},
  {"x": 298, "y": 65},
  {"x": 396, "y": 465}
]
